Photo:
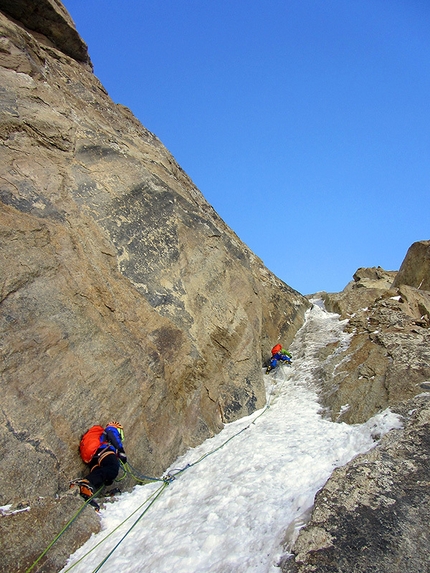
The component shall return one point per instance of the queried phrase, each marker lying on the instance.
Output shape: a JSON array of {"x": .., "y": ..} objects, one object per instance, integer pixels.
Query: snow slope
[{"x": 231, "y": 511}]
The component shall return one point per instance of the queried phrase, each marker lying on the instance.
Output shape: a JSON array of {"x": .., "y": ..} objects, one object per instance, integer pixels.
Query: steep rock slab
[
  {"x": 122, "y": 293},
  {"x": 39, "y": 523}
]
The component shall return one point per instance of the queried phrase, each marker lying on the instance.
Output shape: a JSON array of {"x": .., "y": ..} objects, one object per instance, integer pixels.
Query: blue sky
[{"x": 305, "y": 123}]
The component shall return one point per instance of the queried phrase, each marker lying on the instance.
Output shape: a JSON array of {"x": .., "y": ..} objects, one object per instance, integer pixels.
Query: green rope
[
  {"x": 140, "y": 478},
  {"x": 157, "y": 495},
  {"x": 166, "y": 482},
  {"x": 68, "y": 524},
  {"x": 124, "y": 471},
  {"x": 266, "y": 407},
  {"x": 111, "y": 532},
  {"x": 128, "y": 469}
]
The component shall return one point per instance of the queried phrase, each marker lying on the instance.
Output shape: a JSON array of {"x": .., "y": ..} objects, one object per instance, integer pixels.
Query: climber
[
  {"x": 102, "y": 449},
  {"x": 278, "y": 354}
]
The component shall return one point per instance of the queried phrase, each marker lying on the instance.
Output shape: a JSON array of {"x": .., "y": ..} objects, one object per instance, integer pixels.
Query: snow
[
  {"x": 6, "y": 510},
  {"x": 234, "y": 509}
]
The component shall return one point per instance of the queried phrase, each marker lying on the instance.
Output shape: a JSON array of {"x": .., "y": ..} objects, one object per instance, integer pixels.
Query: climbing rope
[
  {"x": 113, "y": 531},
  {"x": 124, "y": 471},
  {"x": 266, "y": 407},
  {"x": 157, "y": 495},
  {"x": 127, "y": 468},
  {"x": 167, "y": 479},
  {"x": 140, "y": 478},
  {"x": 68, "y": 524}
]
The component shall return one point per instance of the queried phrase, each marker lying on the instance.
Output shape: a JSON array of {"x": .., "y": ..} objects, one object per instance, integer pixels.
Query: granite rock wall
[{"x": 123, "y": 295}]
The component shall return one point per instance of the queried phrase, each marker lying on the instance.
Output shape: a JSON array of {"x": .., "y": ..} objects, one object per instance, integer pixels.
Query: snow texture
[{"x": 234, "y": 509}]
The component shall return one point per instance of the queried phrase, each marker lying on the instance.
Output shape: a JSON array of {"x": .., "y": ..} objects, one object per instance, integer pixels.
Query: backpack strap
[{"x": 103, "y": 454}]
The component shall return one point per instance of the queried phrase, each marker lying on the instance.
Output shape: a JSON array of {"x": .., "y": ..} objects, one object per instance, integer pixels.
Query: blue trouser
[{"x": 277, "y": 357}]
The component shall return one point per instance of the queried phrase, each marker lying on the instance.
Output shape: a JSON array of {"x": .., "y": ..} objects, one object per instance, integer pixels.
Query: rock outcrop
[
  {"x": 122, "y": 293},
  {"x": 372, "y": 513},
  {"x": 389, "y": 353},
  {"x": 415, "y": 269},
  {"x": 51, "y": 24},
  {"x": 367, "y": 286}
]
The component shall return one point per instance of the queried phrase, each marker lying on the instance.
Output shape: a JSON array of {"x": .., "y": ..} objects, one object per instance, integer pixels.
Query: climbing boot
[
  {"x": 268, "y": 369},
  {"x": 86, "y": 490}
]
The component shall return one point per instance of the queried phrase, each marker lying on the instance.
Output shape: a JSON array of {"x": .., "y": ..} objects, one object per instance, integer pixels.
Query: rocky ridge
[
  {"x": 372, "y": 514},
  {"x": 122, "y": 293}
]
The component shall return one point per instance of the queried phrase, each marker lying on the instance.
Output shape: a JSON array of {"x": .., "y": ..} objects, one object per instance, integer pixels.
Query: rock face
[
  {"x": 122, "y": 293},
  {"x": 367, "y": 286},
  {"x": 51, "y": 20},
  {"x": 415, "y": 269},
  {"x": 372, "y": 514},
  {"x": 389, "y": 353}
]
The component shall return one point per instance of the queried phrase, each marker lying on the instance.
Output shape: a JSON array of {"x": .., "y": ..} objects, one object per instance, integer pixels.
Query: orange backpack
[
  {"x": 276, "y": 348},
  {"x": 90, "y": 443}
]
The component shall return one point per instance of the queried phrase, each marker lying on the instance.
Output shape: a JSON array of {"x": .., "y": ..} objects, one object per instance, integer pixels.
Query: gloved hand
[{"x": 122, "y": 457}]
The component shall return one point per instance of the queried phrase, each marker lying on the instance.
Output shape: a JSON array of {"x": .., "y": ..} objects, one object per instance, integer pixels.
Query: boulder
[
  {"x": 367, "y": 286},
  {"x": 415, "y": 269},
  {"x": 372, "y": 277}
]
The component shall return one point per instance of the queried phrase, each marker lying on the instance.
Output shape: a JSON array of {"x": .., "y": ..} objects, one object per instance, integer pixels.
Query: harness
[{"x": 106, "y": 451}]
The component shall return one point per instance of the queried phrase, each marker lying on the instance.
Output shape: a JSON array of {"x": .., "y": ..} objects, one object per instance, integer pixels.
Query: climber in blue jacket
[
  {"x": 104, "y": 458},
  {"x": 278, "y": 354}
]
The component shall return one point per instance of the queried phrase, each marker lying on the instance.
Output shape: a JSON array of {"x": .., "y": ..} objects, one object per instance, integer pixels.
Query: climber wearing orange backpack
[
  {"x": 278, "y": 354},
  {"x": 101, "y": 448}
]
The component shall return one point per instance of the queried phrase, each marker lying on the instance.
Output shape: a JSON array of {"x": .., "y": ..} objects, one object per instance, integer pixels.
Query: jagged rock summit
[
  {"x": 123, "y": 294},
  {"x": 389, "y": 354},
  {"x": 415, "y": 269}
]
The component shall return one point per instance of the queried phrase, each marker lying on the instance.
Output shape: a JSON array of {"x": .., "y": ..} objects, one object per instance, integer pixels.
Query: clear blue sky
[{"x": 305, "y": 123}]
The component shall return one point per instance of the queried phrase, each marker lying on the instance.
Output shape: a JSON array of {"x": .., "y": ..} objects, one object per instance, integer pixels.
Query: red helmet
[{"x": 276, "y": 348}]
